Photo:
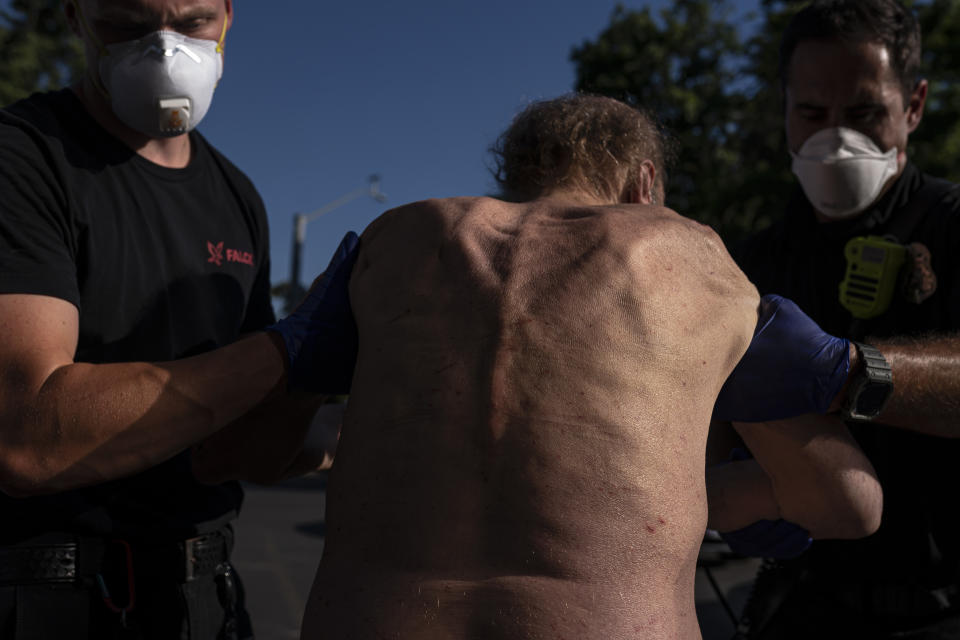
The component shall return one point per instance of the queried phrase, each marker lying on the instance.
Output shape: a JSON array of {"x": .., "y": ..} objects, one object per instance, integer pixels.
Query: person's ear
[
  {"x": 915, "y": 105},
  {"x": 642, "y": 189}
]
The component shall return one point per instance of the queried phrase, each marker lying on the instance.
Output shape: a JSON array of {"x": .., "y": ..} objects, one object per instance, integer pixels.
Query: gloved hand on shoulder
[
  {"x": 320, "y": 335},
  {"x": 792, "y": 367}
]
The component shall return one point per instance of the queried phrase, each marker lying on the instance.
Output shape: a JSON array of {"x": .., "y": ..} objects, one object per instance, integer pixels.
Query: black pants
[{"x": 208, "y": 607}]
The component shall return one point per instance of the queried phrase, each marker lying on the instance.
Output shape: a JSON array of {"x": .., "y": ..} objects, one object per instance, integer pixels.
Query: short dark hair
[
  {"x": 584, "y": 141},
  {"x": 886, "y": 22}
]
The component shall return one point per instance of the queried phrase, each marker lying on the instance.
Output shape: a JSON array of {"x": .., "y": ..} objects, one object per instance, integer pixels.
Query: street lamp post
[{"x": 295, "y": 290}]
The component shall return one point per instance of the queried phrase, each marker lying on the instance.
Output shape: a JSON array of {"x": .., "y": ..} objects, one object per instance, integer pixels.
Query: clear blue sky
[{"x": 316, "y": 96}]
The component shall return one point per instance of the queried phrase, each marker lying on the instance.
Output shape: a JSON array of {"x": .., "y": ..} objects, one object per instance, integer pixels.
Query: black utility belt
[{"x": 83, "y": 560}]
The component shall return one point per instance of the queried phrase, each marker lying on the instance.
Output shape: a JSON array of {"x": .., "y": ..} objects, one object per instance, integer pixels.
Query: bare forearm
[
  {"x": 738, "y": 494},
  {"x": 926, "y": 384},
  {"x": 820, "y": 478},
  {"x": 262, "y": 446},
  {"x": 91, "y": 423}
]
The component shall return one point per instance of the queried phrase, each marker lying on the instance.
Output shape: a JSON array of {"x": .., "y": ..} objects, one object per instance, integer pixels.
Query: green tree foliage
[
  {"x": 935, "y": 146},
  {"x": 38, "y": 49},
  {"x": 711, "y": 76}
]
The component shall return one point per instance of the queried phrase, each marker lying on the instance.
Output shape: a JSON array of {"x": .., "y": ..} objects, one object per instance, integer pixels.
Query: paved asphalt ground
[{"x": 280, "y": 538}]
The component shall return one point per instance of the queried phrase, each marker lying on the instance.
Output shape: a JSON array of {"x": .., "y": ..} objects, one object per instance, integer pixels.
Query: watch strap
[{"x": 875, "y": 376}]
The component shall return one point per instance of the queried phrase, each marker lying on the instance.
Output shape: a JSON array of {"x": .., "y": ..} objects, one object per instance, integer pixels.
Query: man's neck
[
  {"x": 572, "y": 196},
  {"x": 173, "y": 153}
]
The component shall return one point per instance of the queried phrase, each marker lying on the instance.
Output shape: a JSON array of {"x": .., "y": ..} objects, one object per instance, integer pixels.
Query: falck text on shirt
[{"x": 216, "y": 252}]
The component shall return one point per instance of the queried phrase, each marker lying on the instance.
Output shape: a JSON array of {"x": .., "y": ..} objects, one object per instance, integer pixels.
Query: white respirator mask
[
  {"x": 162, "y": 84},
  {"x": 842, "y": 171}
]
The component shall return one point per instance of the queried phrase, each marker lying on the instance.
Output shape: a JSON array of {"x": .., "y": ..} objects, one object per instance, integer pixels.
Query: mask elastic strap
[{"x": 223, "y": 35}]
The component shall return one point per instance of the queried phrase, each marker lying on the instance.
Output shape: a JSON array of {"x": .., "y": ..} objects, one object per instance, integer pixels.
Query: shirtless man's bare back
[
  {"x": 523, "y": 451},
  {"x": 522, "y": 456}
]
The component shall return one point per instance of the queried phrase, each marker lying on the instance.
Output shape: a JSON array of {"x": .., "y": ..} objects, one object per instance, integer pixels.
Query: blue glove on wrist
[
  {"x": 320, "y": 335},
  {"x": 791, "y": 367},
  {"x": 769, "y": 539}
]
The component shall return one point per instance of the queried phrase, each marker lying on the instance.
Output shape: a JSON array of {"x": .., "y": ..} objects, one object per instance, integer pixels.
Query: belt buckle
[{"x": 190, "y": 559}]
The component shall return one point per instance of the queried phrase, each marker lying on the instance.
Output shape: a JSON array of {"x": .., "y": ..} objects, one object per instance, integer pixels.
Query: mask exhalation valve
[{"x": 174, "y": 115}]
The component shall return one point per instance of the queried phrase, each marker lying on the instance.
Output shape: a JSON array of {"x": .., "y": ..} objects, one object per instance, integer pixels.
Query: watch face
[{"x": 872, "y": 397}]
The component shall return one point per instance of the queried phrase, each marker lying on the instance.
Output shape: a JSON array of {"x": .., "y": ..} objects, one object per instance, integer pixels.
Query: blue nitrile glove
[
  {"x": 791, "y": 368},
  {"x": 321, "y": 335},
  {"x": 768, "y": 539}
]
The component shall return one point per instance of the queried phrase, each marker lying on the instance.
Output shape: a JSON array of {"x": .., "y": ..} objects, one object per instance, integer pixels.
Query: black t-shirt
[
  {"x": 801, "y": 259},
  {"x": 161, "y": 263}
]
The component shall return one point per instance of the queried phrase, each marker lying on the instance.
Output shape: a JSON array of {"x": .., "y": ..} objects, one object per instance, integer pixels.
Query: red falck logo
[{"x": 216, "y": 252}]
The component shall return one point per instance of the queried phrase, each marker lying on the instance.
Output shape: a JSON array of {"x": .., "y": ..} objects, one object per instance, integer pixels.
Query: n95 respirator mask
[
  {"x": 842, "y": 171},
  {"x": 162, "y": 84}
]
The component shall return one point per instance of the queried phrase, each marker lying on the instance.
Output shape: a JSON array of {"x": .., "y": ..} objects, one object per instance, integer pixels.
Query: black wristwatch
[{"x": 870, "y": 387}]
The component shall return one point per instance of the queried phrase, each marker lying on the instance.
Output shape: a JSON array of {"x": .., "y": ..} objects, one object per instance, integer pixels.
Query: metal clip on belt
[{"x": 203, "y": 555}]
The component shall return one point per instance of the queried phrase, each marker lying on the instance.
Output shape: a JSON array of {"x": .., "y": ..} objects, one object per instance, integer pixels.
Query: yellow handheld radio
[{"x": 873, "y": 266}]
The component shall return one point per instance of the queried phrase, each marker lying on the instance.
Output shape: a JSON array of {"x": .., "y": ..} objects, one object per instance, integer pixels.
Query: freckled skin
[{"x": 561, "y": 494}]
